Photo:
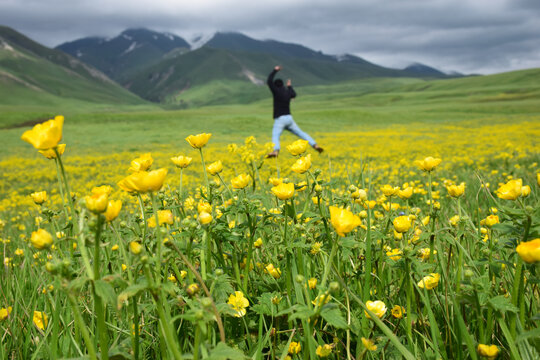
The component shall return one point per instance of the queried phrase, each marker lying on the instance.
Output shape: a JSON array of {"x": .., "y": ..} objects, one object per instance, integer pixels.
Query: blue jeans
[{"x": 286, "y": 122}]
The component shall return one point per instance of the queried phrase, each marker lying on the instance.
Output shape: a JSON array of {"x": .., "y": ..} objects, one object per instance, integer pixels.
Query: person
[{"x": 283, "y": 119}]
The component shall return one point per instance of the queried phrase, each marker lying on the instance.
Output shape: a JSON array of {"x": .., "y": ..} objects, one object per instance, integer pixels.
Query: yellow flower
[
  {"x": 324, "y": 350},
  {"x": 46, "y": 135},
  {"x": 144, "y": 181},
  {"x": 295, "y": 347},
  {"x": 312, "y": 283},
  {"x": 316, "y": 248},
  {"x": 398, "y": 311},
  {"x": 50, "y": 154},
  {"x": 205, "y": 218},
  {"x": 239, "y": 303},
  {"x": 19, "y": 252},
  {"x": 115, "y": 247},
  {"x": 215, "y": 167},
  {"x": 529, "y": 251},
  {"x": 104, "y": 189},
  {"x": 394, "y": 254},
  {"x": 511, "y": 190},
  {"x": 491, "y": 220},
  {"x": 298, "y": 147},
  {"x": 97, "y": 202},
  {"x": 405, "y": 193},
  {"x": 124, "y": 267},
  {"x": 377, "y": 307},
  {"x": 430, "y": 281},
  {"x": 525, "y": 190},
  {"x": 204, "y": 206},
  {"x": 39, "y": 197},
  {"x": 198, "y": 141},
  {"x": 171, "y": 278},
  {"x": 343, "y": 220},
  {"x": 301, "y": 186},
  {"x": 283, "y": 191},
  {"x": 135, "y": 247},
  {"x": 4, "y": 313},
  {"x": 428, "y": 164},
  {"x": 113, "y": 209},
  {"x": 164, "y": 217},
  {"x": 41, "y": 239},
  {"x": 389, "y": 190},
  {"x": 181, "y": 161},
  {"x": 192, "y": 289},
  {"x": 456, "y": 190},
  {"x": 275, "y": 181},
  {"x": 489, "y": 351},
  {"x": 454, "y": 220},
  {"x": 241, "y": 181},
  {"x": 402, "y": 224},
  {"x": 425, "y": 253},
  {"x": 40, "y": 319},
  {"x": 369, "y": 344},
  {"x": 275, "y": 272},
  {"x": 258, "y": 243},
  {"x": 142, "y": 163},
  {"x": 302, "y": 165}
]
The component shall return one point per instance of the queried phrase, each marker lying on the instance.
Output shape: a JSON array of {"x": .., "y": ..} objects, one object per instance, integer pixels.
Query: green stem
[
  {"x": 209, "y": 193},
  {"x": 58, "y": 175},
  {"x": 82, "y": 327},
  {"x": 99, "y": 308},
  {"x": 204, "y": 255},
  {"x": 329, "y": 264},
  {"x": 250, "y": 252},
  {"x": 197, "y": 342},
  {"x": 158, "y": 238},
  {"x": 66, "y": 184},
  {"x": 135, "y": 328},
  {"x": 143, "y": 216}
]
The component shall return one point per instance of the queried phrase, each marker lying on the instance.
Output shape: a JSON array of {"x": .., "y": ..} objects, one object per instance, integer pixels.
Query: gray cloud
[{"x": 471, "y": 36}]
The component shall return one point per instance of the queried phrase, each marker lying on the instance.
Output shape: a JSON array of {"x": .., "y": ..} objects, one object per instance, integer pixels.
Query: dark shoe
[
  {"x": 318, "y": 148},
  {"x": 273, "y": 154}
]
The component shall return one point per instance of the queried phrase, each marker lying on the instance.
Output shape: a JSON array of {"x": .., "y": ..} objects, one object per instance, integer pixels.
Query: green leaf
[
  {"x": 331, "y": 314},
  {"x": 131, "y": 291},
  {"x": 302, "y": 312},
  {"x": 505, "y": 228},
  {"x": 224, "y": 352},
  {"x": 105, "y": 291},
  {"x": 78, "y": 283},
  {"x": 502, "y": 304}
]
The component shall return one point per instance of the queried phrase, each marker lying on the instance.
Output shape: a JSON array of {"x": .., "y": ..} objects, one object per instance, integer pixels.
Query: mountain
[
  {"x": 233, "y": 66},
  {"x": 422, "y": 70},
  {"x": 127, "y": 53},
  {"x": 225, "y": 67},
  {"x": 31, "y": 73}
]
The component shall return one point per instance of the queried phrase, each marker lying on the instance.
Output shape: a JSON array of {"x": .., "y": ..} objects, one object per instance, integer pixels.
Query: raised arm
[
  {"x": 292, "y": 93},
  {"x": 270, "y": 80}
]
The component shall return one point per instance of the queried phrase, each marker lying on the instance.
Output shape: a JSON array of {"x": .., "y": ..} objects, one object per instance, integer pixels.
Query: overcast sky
[{"x": 469, "y": 36}]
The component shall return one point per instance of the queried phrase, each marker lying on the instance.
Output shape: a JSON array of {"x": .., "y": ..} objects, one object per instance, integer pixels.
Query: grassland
[
  {"x": 355, "y": 106},
  {"x": 347, "y": 256}
]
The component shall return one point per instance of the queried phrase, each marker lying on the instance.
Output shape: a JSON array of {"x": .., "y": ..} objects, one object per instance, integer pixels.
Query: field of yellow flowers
[{"x": 402, "y": 242}]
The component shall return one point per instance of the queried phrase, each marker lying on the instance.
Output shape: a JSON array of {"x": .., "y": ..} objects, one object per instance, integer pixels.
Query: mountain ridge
[{"x": 29, "y": 67}]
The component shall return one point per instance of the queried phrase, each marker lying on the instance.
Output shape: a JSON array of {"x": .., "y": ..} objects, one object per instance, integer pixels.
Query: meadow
[{"x": 414, "y": 235}]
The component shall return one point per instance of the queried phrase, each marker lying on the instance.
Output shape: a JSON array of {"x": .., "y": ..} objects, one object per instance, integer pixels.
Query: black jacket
[{"x": 282, "y": 96}]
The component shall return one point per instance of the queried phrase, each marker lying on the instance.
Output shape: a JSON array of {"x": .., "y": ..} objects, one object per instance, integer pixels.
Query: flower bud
[{"x": 334, "y": 287}]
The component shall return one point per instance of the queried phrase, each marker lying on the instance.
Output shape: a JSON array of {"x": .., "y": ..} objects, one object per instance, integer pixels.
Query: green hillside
[
  {"x": 240, "y": 74},
  {"x": 34, "y": 75}
]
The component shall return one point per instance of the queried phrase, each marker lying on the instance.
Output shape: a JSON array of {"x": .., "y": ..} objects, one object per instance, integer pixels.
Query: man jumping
[{"x": 282, "y": 113}]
